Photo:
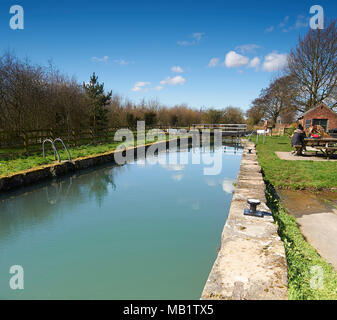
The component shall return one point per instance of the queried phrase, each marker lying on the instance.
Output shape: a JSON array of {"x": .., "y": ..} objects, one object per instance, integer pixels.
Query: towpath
[{"x": 316, "y": 214}]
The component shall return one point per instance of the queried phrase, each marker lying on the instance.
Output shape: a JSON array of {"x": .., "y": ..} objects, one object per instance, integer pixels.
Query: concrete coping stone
[{"x": 251, "y": 262}]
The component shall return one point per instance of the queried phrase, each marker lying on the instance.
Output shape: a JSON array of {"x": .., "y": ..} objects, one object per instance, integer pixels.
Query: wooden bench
[
  {"x": 327, "y": 151},
  {"x": 298, "y": 148}
]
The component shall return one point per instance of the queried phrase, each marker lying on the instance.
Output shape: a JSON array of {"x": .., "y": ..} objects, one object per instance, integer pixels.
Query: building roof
[{"x": 314, "y": 108}]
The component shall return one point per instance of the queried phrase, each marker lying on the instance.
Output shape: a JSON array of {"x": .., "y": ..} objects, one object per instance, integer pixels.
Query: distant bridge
[{"x": 236, "y": 130}]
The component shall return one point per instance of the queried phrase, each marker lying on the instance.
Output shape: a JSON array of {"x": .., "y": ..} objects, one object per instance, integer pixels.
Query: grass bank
[
  {"x": 311, "y": 175},
  {"x": 304, "y": 264},
  {"x": 25, "y": 162}
]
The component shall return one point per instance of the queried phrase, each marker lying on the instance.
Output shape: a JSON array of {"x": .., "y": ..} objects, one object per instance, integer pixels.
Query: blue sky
[{"x": 133, "y": 46}]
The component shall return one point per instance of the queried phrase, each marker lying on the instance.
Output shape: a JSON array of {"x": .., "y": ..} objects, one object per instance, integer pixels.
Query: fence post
[
  {"x": 92, "y": 136},
  {"x": 25, "y": 141},
  {"x": 74, "y": 137}
]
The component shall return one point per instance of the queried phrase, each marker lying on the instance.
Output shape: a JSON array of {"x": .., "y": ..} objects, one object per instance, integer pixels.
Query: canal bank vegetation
[
  {"x": 23, "y": 162},
  {"x": 283, "y": 174},
  {"x": 310, "y": 277},
  {"x": 305, "y": 265}
]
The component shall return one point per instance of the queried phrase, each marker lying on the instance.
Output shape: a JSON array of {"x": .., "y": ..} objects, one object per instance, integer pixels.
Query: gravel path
[{"x": 289, "y": 156}]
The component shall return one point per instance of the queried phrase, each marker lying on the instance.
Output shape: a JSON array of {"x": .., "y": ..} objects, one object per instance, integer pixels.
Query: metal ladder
[{"x": 55, "y": 149}]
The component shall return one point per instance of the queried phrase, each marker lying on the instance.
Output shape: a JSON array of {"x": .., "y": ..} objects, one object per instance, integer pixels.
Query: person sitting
[
  {"x": 297, "y": 140},
  {"x": 314, "y": 132}
]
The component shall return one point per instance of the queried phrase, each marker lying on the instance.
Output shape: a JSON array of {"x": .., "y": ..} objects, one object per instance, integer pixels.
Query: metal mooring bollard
[
  {"x": 250, "y": 151},
  {"x": 252, "y": 211}
]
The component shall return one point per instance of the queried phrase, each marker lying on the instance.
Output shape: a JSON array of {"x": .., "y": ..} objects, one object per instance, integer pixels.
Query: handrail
[
  {"x": 54, "y": 148},
  {"x": 59, "y": 139},
  {"x": 223, "y": 127}
]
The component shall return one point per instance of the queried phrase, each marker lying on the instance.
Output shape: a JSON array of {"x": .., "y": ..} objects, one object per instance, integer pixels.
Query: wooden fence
[
  {"x": 229, "y": 128},
  {"x": 30, "y": 141}
]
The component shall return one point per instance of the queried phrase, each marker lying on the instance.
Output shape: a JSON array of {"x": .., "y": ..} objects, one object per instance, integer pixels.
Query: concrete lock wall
[{"x": 251, "y": 262}]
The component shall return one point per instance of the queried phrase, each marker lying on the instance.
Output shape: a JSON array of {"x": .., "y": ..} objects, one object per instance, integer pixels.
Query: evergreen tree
[{"x": 99, "y": 100}]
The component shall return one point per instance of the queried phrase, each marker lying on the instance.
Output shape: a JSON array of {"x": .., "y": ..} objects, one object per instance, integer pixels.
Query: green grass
[
  {"x": 314, "y": 175},
  {"x": 301, "y": 257},
  {"x": 22, "y": 162}
]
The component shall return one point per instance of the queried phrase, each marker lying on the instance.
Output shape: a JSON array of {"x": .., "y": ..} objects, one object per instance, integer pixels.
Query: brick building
[{"x": 320, "y": 115}]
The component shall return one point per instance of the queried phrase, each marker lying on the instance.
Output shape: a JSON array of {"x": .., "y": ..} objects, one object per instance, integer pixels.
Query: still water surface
[{"x": 138, "y": 231}]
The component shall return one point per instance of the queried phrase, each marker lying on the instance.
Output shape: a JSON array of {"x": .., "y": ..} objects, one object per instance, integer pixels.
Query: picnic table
[{"x": 326, "y": 145}]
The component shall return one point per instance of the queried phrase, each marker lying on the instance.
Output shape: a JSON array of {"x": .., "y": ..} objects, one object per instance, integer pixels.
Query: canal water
[{"x": 143, "y": 230}]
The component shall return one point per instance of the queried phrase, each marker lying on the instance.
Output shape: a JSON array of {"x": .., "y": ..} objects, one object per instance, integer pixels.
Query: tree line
[
  {"x": 38, "y": 97},
  {"x": 309, "y": 78},
  {"x": 34, "y": 97}
]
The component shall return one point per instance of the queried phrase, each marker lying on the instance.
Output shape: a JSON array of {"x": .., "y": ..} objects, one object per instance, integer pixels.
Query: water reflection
[
  {"x": 35, "y": 206},
  {"x": 228, "y": 185},
  {"x": 100, "y": 184},
  {"x": 56, "y": 193},
  {"x": 165, "y": 220}
]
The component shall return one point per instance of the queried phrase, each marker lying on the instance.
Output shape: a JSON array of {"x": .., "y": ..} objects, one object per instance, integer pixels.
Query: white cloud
[
  {"x": 228, "y": 185},
  {"x": 234, "y": 59},
  {"x": 173, "y": 81},
  {"x": 177, "y": 177},
  {"x": 173, "y": 167},
  {"x": 301, "y": 22},
  {"x": 122, "y": 62},
  {"x": 280, "y": 25},
  {"x": 284, "y": 22},
  {"x": 196, "y": 36},
  {"x": 177, "y": 69},
  {"x": 96, "y": 59},
  {"x": 248, "y": 48},
  {"x": 213, "y": 62},
  {"x": 254, "y": 63},
  {"x": 158, "y": 88},
  {"x": 185, "y": 43},
  {"x": 139, "y": 86},
  {"x": 275, "y": 62}
]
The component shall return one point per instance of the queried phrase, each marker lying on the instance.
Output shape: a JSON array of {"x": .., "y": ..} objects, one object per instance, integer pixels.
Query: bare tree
[
  {"x": 279, "y": 98},
  {"x": 233, "y": 115},
  {"x": 274, "y": 101},
  {"x": 256, "y": 112},
  {"x": 34, "y": 97},
  {"x": 313, "y": 64}
]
